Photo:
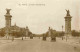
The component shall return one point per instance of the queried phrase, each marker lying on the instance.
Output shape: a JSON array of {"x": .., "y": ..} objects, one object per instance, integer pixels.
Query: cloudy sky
[{"x": 39, "y": 17}]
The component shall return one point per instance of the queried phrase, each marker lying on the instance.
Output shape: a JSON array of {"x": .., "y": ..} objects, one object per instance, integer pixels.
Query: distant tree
[
  {"x": 47, "y": 34},
  {"x": 75, "y": 33},
  {"x": 2, "y": 33},
  {"x": 59, "y": 34},
  {"x": 62, "y": 34}
]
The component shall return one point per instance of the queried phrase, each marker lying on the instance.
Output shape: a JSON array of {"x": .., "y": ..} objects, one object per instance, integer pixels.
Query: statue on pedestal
[
  {"x": 68, "y": 13},
  {"x": 8, "y": 11}
]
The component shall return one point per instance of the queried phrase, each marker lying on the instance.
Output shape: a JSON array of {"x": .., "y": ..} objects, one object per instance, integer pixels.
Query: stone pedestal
[
  {"x": 67, "y": 36},
  {"x": 8, "y": 22}
]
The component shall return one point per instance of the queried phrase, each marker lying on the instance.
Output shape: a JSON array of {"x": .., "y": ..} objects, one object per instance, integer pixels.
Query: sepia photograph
[{"x": 39, "y": 25}]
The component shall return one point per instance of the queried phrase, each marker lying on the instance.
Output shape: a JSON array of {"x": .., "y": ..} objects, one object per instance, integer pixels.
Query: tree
[
  {"x": 2, "y": 33},
  {"x": 75, "y": 33}
]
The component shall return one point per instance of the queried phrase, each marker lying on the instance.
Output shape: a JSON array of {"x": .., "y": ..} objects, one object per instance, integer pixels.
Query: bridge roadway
[{"x": 35, "y": 45}]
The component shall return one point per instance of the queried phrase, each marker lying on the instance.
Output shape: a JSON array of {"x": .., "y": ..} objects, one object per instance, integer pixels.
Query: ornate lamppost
[
  {"x": 62, "y": 32},
  {"x": 22, "y": 33}
]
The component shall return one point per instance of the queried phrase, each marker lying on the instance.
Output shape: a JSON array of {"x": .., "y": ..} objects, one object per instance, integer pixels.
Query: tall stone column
[
  {"x": 7, "y": 22},
  {"x": 68, "y": 23}
]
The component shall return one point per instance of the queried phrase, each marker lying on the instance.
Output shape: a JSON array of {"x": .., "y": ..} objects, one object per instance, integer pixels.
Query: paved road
[{"x": 36, "y": 45}]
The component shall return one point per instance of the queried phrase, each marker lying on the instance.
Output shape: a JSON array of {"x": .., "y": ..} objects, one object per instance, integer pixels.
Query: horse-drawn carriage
[
  {"x": 44, "y": 37},
  {"x": 53, "y": 35}
]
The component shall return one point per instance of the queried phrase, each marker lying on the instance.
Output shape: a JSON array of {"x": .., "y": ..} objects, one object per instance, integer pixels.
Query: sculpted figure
[
  {"x": 8, "y": 11},
  {"x": 68, "y": 12}
]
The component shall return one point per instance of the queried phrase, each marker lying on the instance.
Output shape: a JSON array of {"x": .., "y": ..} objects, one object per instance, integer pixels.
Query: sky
[{"x": 38, "y": 18}]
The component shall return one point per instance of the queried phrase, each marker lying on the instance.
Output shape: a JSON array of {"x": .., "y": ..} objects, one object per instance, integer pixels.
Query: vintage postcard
[{"x": 39, "y": 26}]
